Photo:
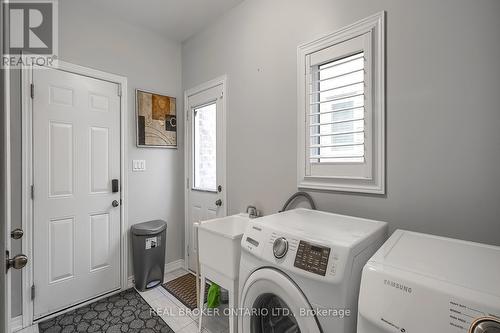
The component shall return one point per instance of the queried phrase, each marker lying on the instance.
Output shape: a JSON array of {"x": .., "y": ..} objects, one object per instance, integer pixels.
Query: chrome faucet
[{"x": 252, "y": 212}]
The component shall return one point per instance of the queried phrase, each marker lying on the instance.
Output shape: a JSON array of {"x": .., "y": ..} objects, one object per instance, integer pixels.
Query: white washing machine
[
  {"x": 421, "y": 283},
  {"x": 300, "y": 271}
]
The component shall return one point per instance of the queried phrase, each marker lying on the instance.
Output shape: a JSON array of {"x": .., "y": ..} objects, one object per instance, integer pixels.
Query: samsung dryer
[
  {"x": 420, "y": 283},
  {"x": 300, "y": 271}
]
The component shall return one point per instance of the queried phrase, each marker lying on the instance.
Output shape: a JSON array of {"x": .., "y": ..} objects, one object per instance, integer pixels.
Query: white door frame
[
  {"x": 27, "y": 179},
  {"x": 6, "y": 161},
  {"x": 221, "y": 80}
]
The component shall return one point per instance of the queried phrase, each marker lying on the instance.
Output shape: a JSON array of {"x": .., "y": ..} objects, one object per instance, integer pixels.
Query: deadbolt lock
[{"x": 17, "y": 233}]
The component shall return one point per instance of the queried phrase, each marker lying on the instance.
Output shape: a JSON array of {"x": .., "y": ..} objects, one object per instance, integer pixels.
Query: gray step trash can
[{"x": 148, "y": 247}]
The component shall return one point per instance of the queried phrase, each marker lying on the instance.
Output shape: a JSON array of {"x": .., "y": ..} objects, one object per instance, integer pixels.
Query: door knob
[
  {"x": 115, "y": 203},
  {"x": 218, "y": 203},
  {"x": 17, "y": 262},
  {"x": 17, "y": 233}
]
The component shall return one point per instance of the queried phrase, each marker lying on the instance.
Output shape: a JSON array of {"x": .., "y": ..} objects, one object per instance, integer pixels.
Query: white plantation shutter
[
  {"x": 337, "y": 111},
  {"x": 338, "y": 86},
  {"x": 341, "y": 109}
]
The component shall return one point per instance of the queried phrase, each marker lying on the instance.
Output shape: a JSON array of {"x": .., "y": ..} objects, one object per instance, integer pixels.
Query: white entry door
[
  {"x": 205, "y": 149},
  {"x": 76, "y": 214}
]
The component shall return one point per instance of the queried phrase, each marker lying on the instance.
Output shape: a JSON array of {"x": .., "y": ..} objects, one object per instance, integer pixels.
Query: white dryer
[
  {"x": 300, "y": 271},
  {"x": 421, "y": 283}
]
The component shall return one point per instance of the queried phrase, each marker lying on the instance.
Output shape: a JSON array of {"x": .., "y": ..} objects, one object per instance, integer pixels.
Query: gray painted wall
[
  {"x": 93, "y": 38},
  {"x": 442, "y": 115},
  {"x": 96, "y": 39}
]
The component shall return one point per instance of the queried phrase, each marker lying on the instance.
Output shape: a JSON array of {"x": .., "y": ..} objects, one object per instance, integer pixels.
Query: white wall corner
[{"x": 169, "y": 267}]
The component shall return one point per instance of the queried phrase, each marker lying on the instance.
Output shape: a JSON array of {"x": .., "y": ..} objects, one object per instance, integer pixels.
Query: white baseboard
[
  {"x": 172, "y": 266},
  {"x": 30, "y": 329},
  {"x": 16, "y": 323},
  {"x": 169, "y": 267}
]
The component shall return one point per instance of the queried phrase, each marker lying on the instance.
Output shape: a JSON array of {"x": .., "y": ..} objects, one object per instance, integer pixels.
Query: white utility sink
[{"x": 219, "y": 244}]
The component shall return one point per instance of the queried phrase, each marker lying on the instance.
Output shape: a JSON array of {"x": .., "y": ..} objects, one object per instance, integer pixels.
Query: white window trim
[{"x": 376, "y": 184}]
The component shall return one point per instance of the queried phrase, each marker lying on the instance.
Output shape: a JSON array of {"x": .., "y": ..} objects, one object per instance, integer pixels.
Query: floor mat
[
  {"x": 184, "y": 289},
  {"x": 123, "y": 312}
]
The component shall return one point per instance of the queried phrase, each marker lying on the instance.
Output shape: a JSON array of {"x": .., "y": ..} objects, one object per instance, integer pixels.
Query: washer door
[{"x": 272, "y": 303}]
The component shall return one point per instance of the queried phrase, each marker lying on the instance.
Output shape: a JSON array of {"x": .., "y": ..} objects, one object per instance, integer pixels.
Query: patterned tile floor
[{"x": 175, "y": 314}]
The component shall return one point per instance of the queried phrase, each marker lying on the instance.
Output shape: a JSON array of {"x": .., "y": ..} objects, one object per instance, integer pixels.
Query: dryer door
[{"x": 272, "y": 303}]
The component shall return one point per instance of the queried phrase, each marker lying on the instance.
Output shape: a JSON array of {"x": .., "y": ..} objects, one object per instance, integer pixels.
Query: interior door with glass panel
[{"x": 205, "y": 183}]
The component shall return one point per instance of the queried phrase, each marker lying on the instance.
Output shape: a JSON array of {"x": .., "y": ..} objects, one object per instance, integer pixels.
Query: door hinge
[
  {"x": 221, "y": 95},
  {"x": 119, "y": 90},
  {"x": 32, "y": 192},
  {"x": 187, "y": 248},
  {"x": 32, "y": 292},
  {"x": 187, "y": 183},
  {"x": 32, "y": 90}
]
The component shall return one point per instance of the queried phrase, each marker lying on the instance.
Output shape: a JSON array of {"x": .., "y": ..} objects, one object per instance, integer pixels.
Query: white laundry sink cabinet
[
  {"x": 219, "y": 243},
  {"x": 219, "y": 250}
]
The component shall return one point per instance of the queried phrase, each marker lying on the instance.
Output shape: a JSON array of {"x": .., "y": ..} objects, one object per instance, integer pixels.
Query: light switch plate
[{"x": 138, "y": 165}]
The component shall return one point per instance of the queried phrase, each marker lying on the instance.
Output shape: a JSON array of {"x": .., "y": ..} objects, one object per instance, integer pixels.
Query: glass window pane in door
[{"x": 205, "y": 147}]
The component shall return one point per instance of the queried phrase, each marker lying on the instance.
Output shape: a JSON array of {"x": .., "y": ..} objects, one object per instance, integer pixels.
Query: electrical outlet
[{"x": 138, "y": 165}]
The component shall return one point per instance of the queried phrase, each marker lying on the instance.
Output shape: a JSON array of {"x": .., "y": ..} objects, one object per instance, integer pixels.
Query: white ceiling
[{"x": 174, "y": 19}]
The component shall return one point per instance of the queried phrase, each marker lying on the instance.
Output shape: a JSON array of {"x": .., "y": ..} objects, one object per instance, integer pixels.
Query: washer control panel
[{"x": 312, "y": 258}]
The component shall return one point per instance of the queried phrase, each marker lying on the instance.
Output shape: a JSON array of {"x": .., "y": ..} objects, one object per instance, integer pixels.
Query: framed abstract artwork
[{"x": 156, "y": 120}]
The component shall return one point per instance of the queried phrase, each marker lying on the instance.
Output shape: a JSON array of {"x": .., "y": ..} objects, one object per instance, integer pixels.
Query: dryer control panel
[{"x": 312, "y": 258}]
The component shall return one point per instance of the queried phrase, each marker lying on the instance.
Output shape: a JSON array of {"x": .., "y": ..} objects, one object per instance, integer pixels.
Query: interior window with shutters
[
  {"x": 341, "y": 110},
  {"x": 337, "y": 105}
]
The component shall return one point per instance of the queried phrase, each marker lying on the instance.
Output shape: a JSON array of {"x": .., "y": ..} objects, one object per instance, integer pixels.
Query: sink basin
[{"x": 219, "y": 243}]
